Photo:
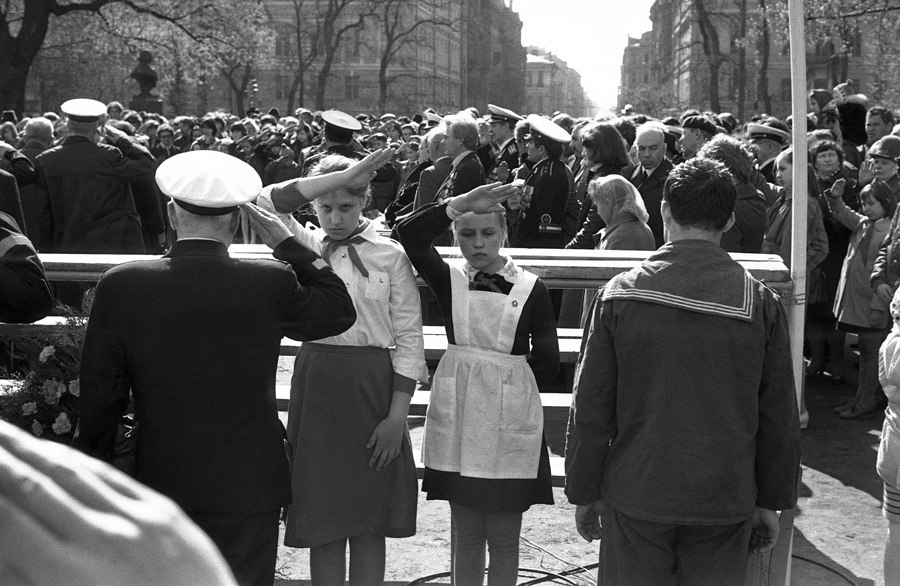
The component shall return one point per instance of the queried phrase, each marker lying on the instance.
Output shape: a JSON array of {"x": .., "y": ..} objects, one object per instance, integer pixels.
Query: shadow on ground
[
  {"x": 845, "y": 450},
  {"x": 810, "y": 566}
]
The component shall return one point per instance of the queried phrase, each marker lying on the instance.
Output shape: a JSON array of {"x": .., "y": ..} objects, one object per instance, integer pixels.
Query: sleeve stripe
[{"x": 13, "y": 240}]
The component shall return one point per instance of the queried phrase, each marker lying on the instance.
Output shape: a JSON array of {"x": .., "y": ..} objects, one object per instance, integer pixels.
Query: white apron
[{"x": 485, "y": 418}]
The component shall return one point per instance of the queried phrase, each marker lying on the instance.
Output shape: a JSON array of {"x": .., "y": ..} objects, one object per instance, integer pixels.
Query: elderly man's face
[{"x": 651, "y": 148}]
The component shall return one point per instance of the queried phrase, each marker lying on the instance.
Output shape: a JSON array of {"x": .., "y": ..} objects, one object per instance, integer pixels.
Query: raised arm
[{"x": 290, "y": 195}]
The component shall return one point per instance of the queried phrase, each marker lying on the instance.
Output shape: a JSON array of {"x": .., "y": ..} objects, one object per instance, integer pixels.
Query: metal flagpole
[
  {"x": 797, "y": 310},
  {"x": 800, "y": 192}
]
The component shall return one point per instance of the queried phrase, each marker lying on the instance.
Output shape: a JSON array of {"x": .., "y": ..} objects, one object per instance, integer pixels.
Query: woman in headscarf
[
  {"x": 622, "y": 209},
  {"x": 620, "y": 205}
]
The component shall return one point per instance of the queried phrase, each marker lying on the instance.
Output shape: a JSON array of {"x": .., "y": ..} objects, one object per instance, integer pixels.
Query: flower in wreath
[
  {"x": 75, "y": 387},
  {"x": 52, "y": 391},
  {"x": 62, "y": 424},
  {"x": 36, "y": 428},
  {"x": 29, "y": 408},
  {"x": 46, "y": 353}
]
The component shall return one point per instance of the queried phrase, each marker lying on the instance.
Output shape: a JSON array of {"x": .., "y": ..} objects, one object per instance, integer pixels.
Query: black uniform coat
[
  {"x": 544, "y": 198},
  {"x": 84, "y": 198},
  {"x": 195, "y": 335}
]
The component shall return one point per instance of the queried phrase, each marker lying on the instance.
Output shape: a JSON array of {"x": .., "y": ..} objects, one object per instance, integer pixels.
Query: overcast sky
[{"x": 588, "y": 34}]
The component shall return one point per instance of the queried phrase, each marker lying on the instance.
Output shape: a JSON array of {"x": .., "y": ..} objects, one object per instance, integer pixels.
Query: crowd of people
[{"x": 322, "y": 189}]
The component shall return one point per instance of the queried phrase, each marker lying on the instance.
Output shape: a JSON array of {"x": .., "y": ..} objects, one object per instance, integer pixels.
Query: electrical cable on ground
[
  {"x": 548, "y": 576},
  {"x": 578, "y": 568}
]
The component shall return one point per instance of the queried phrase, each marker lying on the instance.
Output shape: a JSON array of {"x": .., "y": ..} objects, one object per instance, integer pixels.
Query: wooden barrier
[{"x": 559, "y": 269}]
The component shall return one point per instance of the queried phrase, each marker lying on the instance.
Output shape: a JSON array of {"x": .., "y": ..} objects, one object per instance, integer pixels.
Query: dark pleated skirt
[
  {"x": 492, "y": 495},
  {"x": 339, "y": 394}
]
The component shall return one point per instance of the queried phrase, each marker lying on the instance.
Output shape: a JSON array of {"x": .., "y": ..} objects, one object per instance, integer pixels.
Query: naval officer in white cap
[
  {"x": 195, "y": 337},
  {"x": 83, "y": 191},
  {"x": 503, "y": 125},
  {"x": 547, "y": 186}
]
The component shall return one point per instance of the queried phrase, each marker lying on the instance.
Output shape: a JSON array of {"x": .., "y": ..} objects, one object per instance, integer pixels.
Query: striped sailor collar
[{"x": 693, "y": 275}]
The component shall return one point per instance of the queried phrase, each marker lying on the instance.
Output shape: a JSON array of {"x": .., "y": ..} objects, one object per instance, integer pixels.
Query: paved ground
[{"x": 838, "y": 532}]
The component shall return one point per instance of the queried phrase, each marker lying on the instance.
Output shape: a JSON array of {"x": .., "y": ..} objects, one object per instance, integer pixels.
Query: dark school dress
[{"x": 535, "y": 334}]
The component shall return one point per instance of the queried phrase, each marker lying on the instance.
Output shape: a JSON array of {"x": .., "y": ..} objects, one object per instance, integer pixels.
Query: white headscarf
[{"x": 617, "y": 200}]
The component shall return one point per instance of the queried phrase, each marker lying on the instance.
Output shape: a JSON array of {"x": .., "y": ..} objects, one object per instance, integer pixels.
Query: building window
[
  {"x": 540, "y": 81},
  {"x": 351, "y": 87},
  {"x": 282, "y": 46}
]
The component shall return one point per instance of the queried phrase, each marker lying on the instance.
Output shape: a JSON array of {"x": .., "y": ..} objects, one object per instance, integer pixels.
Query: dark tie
[{"x": 331, "y": 245}]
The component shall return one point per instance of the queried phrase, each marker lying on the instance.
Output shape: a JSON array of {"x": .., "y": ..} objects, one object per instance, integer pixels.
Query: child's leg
[
  {"x": 468, "y": 545},
  {"x": 327, "y": 563},
  {"x": 366, "y": 560},
  {"x": 503, "y": 546},
  {"x": 892, "y": 554}
]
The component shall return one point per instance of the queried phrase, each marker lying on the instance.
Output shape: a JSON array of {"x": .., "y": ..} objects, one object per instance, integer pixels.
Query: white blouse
[{"x": 388, "y": 310}]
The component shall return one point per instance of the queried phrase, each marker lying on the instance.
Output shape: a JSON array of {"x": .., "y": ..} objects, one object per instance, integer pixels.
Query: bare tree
[
  {"x": 298, "y": 46},
  {"x": 711, "y": 50},
  {"x": 26, "y": 23},
  {"x": 337, "y": 19},
  {"x": 400, "y": 23}
]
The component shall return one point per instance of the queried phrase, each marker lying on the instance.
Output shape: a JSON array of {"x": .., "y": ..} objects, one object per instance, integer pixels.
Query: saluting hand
[
  {"x": 484, "y": 199},
  {"x": 71, "y": 519},
  {"x": 267, "y": 226},
  {"x": 360, "y": 174},
  {"x": 113, "y": 134}
]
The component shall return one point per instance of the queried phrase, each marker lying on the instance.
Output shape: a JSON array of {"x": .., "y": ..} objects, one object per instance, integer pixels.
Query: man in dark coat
[
  {"x": 38, "y": 138},
  {"x": 433, "y": 176},
  {"x": 767, "y": 140},
  {"x": 466, "y": 171},
  {"x": 503, "y": 126},
  {"x": 86, "y": 203},
  {"x": 195, "y": 336},
  {"x": 683, "y": 461},
  {"x": 650, "y": 176}
]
